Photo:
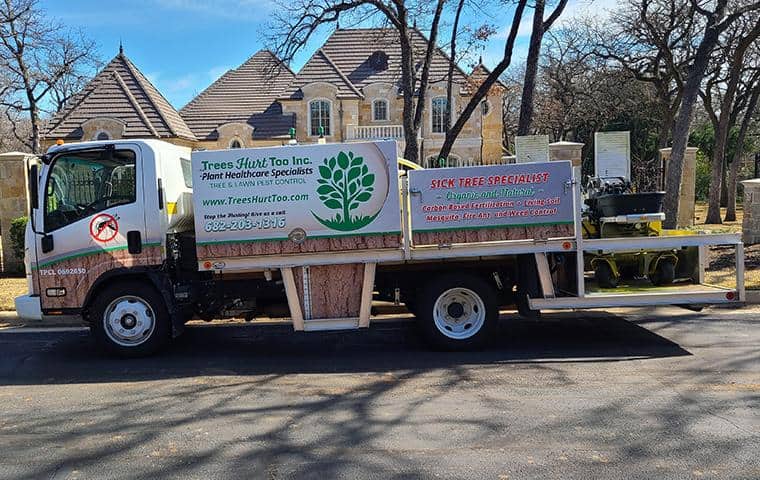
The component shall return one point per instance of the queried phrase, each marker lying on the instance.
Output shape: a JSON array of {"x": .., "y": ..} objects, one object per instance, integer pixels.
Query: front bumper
[{"x": 28, "y": 307}]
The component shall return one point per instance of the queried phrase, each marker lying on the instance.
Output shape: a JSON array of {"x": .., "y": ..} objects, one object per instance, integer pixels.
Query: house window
[
  {"x": 319, "y": 116},
  {"x": 101, "y": 135},
  {"x": 235, "y": 144},
  {"x": 485, "y": 108},
  {"x": 380, "y": 110},
  {"x": 440, "y": 113}
]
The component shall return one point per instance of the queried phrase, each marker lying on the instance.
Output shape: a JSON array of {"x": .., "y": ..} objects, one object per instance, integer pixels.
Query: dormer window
[
  {"x": 102, "y": 136},
  {"x": 380, "y": 110},
  {"x": 378, "y": 61},
  {"x": 235, "y": 143}
]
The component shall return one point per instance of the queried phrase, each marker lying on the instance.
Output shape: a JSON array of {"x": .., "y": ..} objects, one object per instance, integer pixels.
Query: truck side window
[
  {"x": 81, "y": 184},
  {"x": 187, "y": 172}
]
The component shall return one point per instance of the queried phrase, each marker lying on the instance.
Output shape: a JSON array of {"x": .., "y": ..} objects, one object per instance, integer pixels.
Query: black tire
[
  {"x": 477, "y": 298},
  {"x": 604, "y": 275},
  {"x": 127, "y": 296},
  {"x": 664, "y": 273}
]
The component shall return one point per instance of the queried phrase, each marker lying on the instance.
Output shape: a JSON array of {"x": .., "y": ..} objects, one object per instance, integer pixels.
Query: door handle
[
  {"x": 47, "y": 243},
  {"x": 134, "y": 242}
]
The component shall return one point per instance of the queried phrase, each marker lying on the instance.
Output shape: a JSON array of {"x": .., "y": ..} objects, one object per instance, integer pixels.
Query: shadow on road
[{"x": 386, "y": 347}]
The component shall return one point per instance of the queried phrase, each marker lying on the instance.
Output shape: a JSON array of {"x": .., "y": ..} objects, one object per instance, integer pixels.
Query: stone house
[{"x": 348, "y": 90}]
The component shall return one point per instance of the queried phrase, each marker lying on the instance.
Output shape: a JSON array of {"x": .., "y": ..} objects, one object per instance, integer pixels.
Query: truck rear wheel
[
  {"x": 457, "y": 312},
  {"x": 130, "y": 319}
]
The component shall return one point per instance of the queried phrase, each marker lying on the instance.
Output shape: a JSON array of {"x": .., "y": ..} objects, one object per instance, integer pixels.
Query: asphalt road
[{"x": 639, "y": 394}]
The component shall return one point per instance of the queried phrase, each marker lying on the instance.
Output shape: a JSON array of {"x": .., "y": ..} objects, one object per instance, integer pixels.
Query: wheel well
[
  {"x": 412, "y": 278},
  {"x": 111, "y": 278}
]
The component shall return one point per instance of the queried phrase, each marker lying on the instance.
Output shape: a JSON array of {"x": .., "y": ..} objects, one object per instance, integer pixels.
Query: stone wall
[
  {"x": 480, "y": 139},
  {"x": 751, "y": 222},
  {"x": 13, "y": 204}
]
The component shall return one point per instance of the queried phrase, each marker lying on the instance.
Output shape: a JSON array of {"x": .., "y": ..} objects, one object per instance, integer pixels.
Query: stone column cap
[
  {"x": 11, "y": 156},
  {"x": 670, "y": 149},
  {"x": 751, "y": 181}
]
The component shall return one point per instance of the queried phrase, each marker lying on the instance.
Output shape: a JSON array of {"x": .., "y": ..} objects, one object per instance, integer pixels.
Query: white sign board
[
  {"x": 491, "y": 196},
  {"x": 320, "y": 191},
  {"x": 612, "y": 154},
  {"x": 532, "y": 148}
]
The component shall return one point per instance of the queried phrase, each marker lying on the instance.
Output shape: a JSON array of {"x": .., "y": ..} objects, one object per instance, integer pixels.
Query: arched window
[
  {"x": 102, "y": 135},
  {"x": 380, "y": 110},
  {"x": 485, "y": 108},
  {"x": 235, "y": 143},
  {"x": 440, "y": 114},
  {"x": 319, "y": 116}
]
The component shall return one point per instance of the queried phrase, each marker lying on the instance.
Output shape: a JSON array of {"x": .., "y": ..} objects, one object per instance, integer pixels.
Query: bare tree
[
  {"x": 296, "y": 22},
  {"x": 726, "y": 79},
  {"x": 38, "y": 56},
  {"x": 14, "y": 133},
  {"x": 652, "y": 40},
  {"x": 484, "y": 86},
  {"x": 540, "y": 27},
  {"x": 752, "y": 93},
  {"x": 717, "y": 21}
]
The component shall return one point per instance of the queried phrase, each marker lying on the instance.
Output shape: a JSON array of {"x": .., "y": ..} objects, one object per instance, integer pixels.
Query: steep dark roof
[
  {"x": 480, "y": 72},
  {"x": 120, "y": 91},
  {"x": 321, "y": 68},
  {"x": 351, "y": 50},
  {"x": 246, "y": 94}
]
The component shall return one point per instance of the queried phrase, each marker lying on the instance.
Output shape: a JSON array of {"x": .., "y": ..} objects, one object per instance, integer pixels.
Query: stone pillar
[
  {"x": 13, "y": 204},
  {"x": 568, "y": 151},
  {"x": 751, "y": 222},
  {"x": 688, "y": 184}
]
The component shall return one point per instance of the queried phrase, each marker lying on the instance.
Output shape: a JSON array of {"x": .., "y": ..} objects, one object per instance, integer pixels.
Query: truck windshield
[{"x": 83, "y": 183}]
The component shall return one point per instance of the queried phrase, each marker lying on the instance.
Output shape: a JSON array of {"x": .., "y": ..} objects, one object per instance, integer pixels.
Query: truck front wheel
[
  {"x": 130, "y": 319},
  {"x": 457, "y": 312}
]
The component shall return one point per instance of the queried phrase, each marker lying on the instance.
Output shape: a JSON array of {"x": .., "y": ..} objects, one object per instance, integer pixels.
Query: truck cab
[{"x": 98, "y": 209}]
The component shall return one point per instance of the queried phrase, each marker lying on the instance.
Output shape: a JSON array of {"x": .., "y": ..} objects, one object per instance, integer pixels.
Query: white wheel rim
[
  {"x": 459, "y": 313},
  {"x": 129, "y": 321}
]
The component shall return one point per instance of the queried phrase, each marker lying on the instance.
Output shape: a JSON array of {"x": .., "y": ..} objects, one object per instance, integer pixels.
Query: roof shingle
[
  {"x": 321, "y": 68},
  {"x": 351, "y": 50},
  {"x": 120, "y": 91},
  {"x": 246, "y": 94}
]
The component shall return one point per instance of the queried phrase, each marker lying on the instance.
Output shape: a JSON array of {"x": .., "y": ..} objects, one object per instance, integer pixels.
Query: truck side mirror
[
  {"x": 34, "y": 196},
  {"x": 34, "y": 176}
]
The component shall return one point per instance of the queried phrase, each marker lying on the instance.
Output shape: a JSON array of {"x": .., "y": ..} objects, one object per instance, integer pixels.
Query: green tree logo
[{"x": 345, "y": 184}]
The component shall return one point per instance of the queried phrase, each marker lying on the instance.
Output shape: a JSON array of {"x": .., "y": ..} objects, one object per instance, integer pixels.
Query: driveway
[{"x": 642, "y": 393}]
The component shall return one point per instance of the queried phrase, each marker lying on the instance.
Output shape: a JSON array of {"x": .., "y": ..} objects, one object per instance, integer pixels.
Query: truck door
[{"x": 92, "y": 221}]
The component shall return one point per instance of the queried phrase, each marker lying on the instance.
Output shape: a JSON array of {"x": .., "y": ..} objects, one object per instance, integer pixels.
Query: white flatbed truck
[{"x": 139, "y": 236}]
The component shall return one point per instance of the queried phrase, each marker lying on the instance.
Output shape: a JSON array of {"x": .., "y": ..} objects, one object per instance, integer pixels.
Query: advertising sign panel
[
  {"x": 526, "y": 194},
  {"x": 612, "y": 154},
  {"x": 311, "y": 191},
  {"x": 532, "y": 148}
]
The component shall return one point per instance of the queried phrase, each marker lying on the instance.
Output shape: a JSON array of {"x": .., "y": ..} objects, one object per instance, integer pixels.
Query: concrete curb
[
  {"x": 752, "y": 297},
  {"x": 9, "y": 319}
]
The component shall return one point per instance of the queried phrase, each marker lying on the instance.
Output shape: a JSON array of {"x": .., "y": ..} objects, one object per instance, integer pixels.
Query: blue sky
[{"x": 184, "y": 45}]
